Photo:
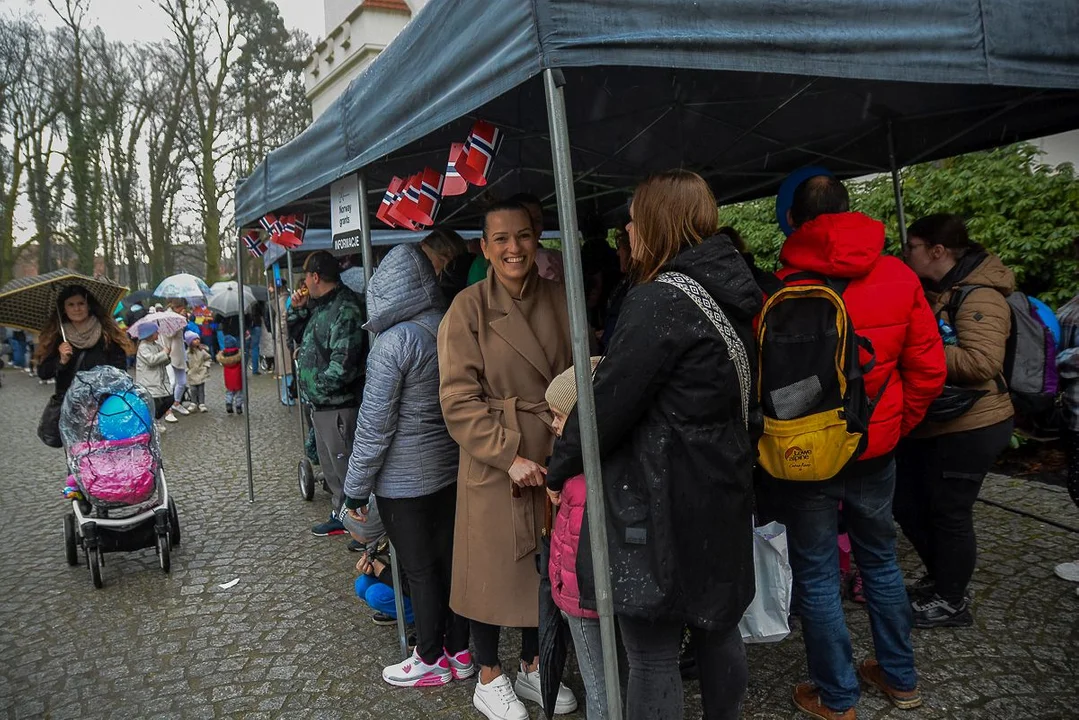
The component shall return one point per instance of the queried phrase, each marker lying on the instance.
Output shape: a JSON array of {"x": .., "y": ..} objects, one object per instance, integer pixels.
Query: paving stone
[{"x": 290, "y": 640}]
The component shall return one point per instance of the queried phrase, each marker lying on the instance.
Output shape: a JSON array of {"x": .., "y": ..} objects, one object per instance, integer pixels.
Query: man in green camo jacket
[{"x": 330, "y": 363}]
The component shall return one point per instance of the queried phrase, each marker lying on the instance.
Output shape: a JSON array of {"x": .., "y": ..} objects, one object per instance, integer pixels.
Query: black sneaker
[
  {"x": 228, "y": 408},
  {"x": 239, "y": 409},
  {"x": 356, "y": 546},
  {"x": 922, "y": 589},
  {"x": 383, "y": 619},
  {"x": 936, "y": 612}
]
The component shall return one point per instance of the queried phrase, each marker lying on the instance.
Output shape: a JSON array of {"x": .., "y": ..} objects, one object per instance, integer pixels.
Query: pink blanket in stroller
[{"x": 120, "y": 472}]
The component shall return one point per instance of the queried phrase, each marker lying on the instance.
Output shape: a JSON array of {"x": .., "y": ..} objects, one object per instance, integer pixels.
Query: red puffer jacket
[
  {"x": 565, "y": 540},
  {"x": 233, "y": 370},
  {"x": 887, "y": 305}
]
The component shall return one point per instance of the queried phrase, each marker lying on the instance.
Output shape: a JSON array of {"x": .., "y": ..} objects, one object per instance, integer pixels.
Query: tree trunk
[{"x": 7, "y": 219}]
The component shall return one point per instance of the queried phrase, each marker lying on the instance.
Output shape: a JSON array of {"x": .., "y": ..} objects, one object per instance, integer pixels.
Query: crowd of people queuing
[{"x": 442, "y": 400}]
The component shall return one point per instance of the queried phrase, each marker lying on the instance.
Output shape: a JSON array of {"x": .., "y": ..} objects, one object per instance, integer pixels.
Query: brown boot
[
  {"x": 871, "y": 673},
  {"x": 807, "y": 699}
]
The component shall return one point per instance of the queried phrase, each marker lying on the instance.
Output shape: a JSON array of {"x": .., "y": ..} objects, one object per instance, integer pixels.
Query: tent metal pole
[
  {"x": 281, "y": 346},
  {"x": 271, "y": 309},
  {"x": 368, "y": 270},
  {"x": 586, "y": 405},
  {"x": 243, "y": 362},
  {"x": 897, "y": 187}
]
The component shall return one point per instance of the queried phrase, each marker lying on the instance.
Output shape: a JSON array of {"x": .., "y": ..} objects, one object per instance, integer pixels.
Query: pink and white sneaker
[
  {"x": 461, "y": 665},
  {"x": 414, "y": 672}
]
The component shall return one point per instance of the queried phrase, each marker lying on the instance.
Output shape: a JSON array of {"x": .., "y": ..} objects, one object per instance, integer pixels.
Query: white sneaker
[
  {"x": 497, "y": 701},
  {"x": 414, "y": 672},
  {"x": 159, "y": 427},
  {"x": 190, "y": 406},
  {"x": 528, "y": 687},
  {"x": 178, "y": 408},
  {"x": 203, "y": 408},
  {"x": 170, "y": 418},
  {"x": 1068, "y": 571}
]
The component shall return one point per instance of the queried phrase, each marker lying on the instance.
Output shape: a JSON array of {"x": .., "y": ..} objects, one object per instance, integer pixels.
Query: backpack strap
[
  {"x": 838, "y": 284},
  {"x": 735, "y": 348}
]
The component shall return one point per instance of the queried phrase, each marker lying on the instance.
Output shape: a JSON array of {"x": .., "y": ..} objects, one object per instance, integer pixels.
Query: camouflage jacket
[{"x": 332, "y": 356}]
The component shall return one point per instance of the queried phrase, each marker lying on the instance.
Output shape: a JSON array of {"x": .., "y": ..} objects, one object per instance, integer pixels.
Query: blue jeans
[
  {"x": 379, "y": 597},
  {"x": 253, "y": 348},
  {"x": 810, "y": 510}
]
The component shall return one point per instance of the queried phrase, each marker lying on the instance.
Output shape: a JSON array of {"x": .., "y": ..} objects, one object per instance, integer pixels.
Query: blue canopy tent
[{"x": 594, "y": 95}]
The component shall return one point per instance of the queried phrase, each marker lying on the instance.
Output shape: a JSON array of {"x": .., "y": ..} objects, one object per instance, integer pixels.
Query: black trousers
[
  {"x": 161, "y": 406},
  {"x": 485, "y": 638},
  {"x": 421, "y": 530},
  {"x": 655, "y": 685},
  {"x": 937, "y": 481}
]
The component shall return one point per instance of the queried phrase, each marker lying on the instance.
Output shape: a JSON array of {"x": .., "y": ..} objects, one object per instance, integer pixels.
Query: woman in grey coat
[{"x": 405, "y": 457}]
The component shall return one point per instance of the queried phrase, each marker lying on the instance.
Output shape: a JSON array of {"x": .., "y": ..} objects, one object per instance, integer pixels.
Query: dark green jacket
[{"x": 332, "y": 355}]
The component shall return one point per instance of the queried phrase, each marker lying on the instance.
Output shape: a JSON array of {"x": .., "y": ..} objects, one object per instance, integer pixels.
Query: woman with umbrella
[{"x": 80, "y": 335}]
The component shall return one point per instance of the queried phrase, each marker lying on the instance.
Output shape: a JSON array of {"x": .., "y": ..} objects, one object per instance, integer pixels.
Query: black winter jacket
[
  {"x": 677, "y": 457},
  {"x": 81, "y": 360}
]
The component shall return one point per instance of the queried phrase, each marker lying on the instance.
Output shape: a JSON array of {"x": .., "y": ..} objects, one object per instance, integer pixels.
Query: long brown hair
[
  {"x": 671, "y": 210},
  {"x": 50, "y": 337}
]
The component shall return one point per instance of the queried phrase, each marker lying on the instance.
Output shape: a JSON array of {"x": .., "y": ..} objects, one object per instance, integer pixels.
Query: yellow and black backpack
[{"x": 811, "y": 380}]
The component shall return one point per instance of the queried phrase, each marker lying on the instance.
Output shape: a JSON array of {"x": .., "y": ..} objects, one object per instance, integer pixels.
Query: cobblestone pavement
[{"x": 290, "y": 640}]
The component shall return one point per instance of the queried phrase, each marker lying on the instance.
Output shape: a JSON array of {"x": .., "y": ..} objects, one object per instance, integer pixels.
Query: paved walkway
[{"x": 290, "y": 640}]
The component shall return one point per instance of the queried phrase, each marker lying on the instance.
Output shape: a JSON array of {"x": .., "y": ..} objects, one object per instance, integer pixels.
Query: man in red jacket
[{"x": 886, "y": 305}]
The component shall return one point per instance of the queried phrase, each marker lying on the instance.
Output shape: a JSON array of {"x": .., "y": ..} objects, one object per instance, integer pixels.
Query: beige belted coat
[{"x": 496, "y": 357}]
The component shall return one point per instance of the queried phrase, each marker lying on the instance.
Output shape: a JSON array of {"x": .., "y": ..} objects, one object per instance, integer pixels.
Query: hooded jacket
[
  {"x": 677, "y": 457},
  {"x": 982, "y": 325},
  {"x": 232, "y": 369},
  {"x": 330, "y": 359},
  {"x": 198, "y": 365},
  {"x": 402, "y": 448},
  {"x": 150, "y": 373},
  {"x": 887, "y": 306}
]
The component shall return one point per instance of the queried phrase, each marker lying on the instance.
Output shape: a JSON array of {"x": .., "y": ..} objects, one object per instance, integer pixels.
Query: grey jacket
[
  {"x": 150, "y": 362},
  {"x": 402, "y": 448}
]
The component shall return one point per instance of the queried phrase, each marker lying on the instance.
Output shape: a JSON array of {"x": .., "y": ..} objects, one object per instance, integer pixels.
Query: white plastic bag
[{"x": 766, "y": 618}]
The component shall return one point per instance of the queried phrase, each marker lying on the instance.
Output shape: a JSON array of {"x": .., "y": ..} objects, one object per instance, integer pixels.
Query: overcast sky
[{"x": 129, "y": 20}]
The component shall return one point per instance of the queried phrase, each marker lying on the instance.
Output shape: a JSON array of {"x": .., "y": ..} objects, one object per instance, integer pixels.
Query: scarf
[{"x": 85, "y": 338}]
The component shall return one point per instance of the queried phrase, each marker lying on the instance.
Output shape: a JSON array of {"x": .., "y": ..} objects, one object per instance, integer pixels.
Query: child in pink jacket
[{"x": 565, "y": 540}]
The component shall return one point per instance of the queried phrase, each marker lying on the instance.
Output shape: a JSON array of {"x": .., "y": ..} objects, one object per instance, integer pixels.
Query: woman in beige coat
[{"x": 499, "y": 346}]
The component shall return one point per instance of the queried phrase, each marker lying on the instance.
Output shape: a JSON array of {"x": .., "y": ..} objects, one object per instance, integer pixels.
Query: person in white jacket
[{"x": 151, "y": 362}]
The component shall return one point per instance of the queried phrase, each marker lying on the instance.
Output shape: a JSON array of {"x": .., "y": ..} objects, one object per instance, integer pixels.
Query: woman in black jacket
[
  {"x": 674, "y": 396},
  {"x": 90, "y": 338}
]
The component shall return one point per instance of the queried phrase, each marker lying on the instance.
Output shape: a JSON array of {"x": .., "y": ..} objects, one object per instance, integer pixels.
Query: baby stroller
[{"x": 119, "y": 500}]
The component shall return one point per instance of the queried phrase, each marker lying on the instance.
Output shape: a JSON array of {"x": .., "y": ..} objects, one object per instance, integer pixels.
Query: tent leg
[
  {"x": 271, "y": 309},
  {"x": 897, "y": 188},
  {"x": 295, "y": 381},
  {"x": 243, "y": 362},
  {"x": 368, "y": 270},
  {"x": 586, "y": 405}
]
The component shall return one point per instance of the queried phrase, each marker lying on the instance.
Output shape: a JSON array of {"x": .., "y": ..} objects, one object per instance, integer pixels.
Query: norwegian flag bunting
[
  {"x": 454, "y": 184},
  {"x": 287, "y": 230},
  {"x": 271, "y": 224},
  {"x": 478, "y": 155},
  {"x": 401, "y": 210},
  {"x": 422, "y": 198},
  {"x": 255, "y": 246},
  {"x": 391, "y": 196}
]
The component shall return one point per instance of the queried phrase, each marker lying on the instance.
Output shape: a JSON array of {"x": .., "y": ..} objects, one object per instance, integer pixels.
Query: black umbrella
[
  {"x": 554, "y": 637},
  {"x": 139, "y": 297},
  {"x": 261, "y": 293}
]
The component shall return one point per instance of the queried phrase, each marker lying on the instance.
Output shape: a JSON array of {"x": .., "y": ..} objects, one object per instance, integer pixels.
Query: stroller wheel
[
  {"x": 163, "y": 551},
  {"x": 306, "y": 476},
  {"x": 94, "y": 557},
  {"x": 174, "y": 524},
  {"x": 71, "y": 549}
]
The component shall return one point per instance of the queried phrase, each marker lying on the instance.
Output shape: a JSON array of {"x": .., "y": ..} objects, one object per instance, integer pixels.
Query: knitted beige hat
[{"x": 562, "y": 394}]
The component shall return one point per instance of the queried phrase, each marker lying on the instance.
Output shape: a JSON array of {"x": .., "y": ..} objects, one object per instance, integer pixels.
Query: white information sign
[{"x": 345, "y": 217}]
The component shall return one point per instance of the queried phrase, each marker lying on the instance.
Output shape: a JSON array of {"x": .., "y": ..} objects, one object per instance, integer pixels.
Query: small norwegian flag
[
  {"x": 422, "y": 200},
  {"x": 478, "y": 155},
  {"x": 255, "y": 246},
  {"x": 388, "y": 200},
  {"x": 405, "y": 206},
  {"x": 293, "y": 229},
  {"x": 454, "y": 184},
  {"x": 271, "y": 224}
]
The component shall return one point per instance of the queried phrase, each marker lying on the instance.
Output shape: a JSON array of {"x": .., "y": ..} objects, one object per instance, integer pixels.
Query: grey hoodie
[{"x": 402, "y": 448}]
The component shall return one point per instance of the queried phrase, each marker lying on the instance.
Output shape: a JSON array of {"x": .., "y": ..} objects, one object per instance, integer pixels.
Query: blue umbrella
[{"x": 183, "y": 285}]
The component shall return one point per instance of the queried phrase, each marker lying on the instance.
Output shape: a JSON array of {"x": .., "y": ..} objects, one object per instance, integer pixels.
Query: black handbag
[
  {"x": 953, "y": 402},
  {"x": 49, "y": 427}
]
